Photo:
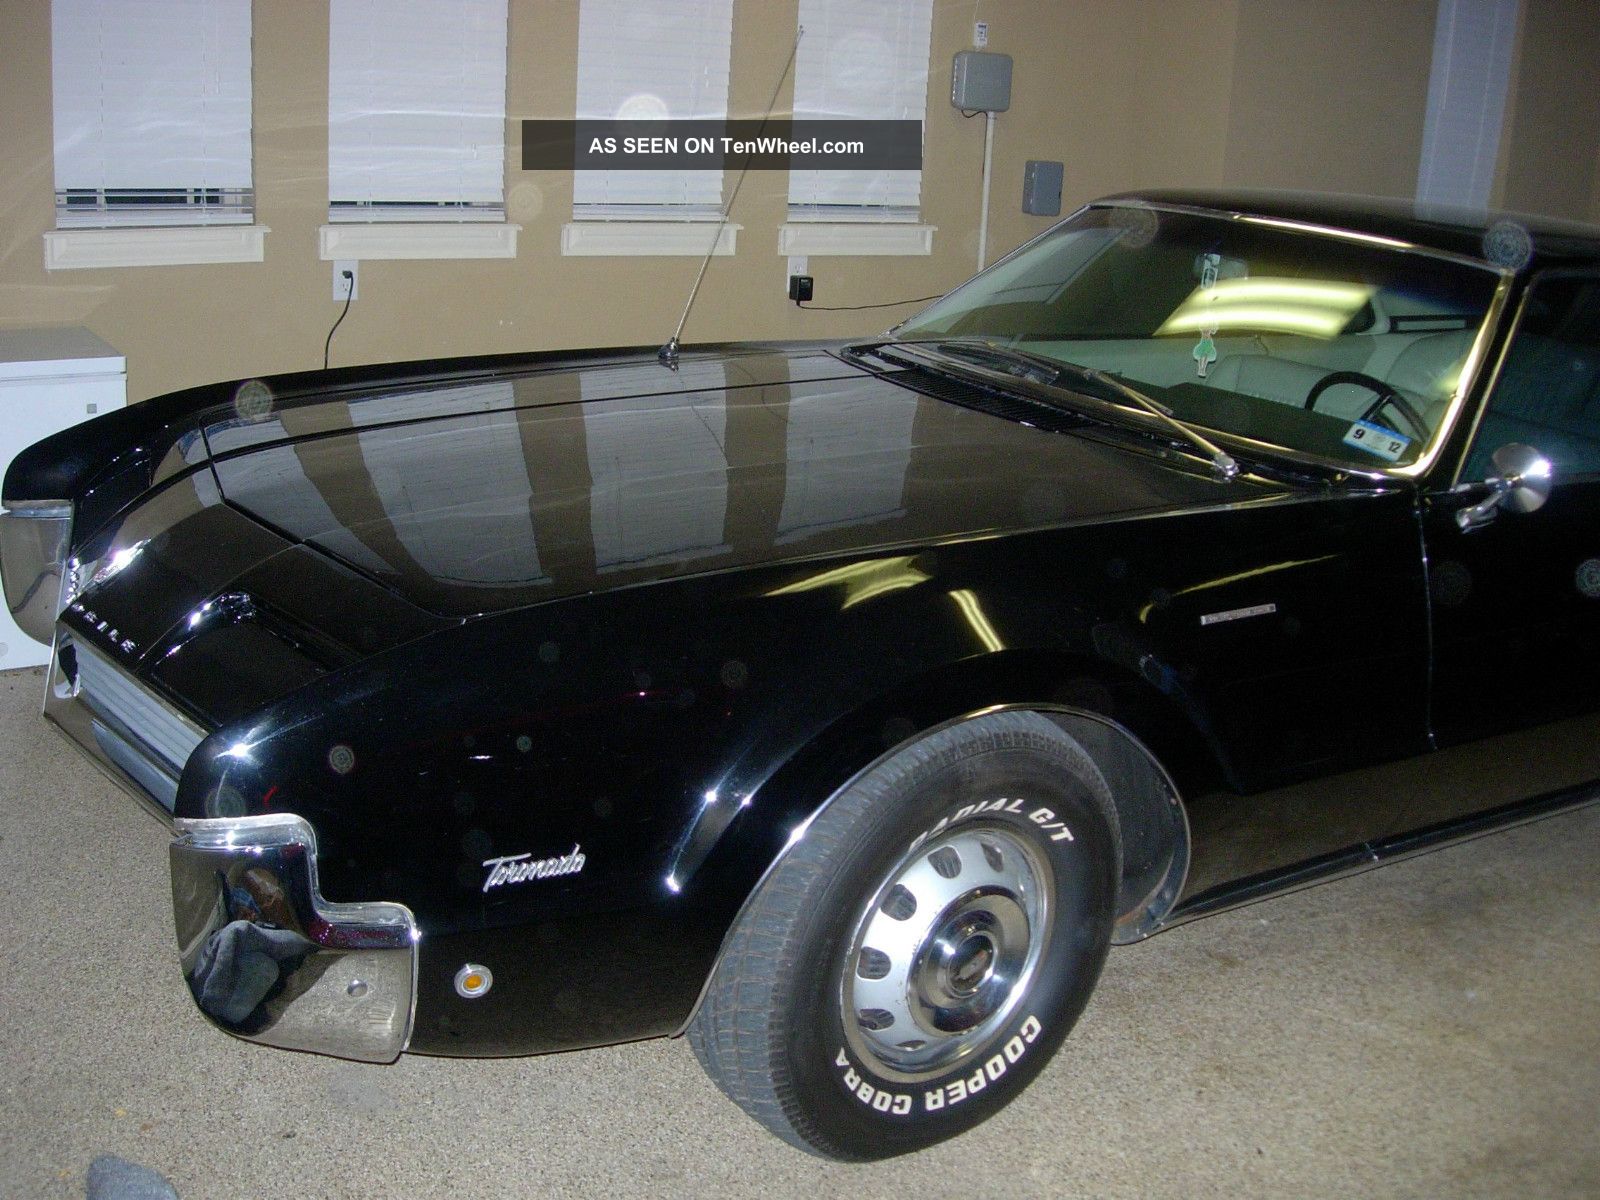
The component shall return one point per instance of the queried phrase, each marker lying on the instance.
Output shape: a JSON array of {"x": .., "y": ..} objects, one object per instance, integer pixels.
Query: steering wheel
[{"x": 1387, "y": 398}]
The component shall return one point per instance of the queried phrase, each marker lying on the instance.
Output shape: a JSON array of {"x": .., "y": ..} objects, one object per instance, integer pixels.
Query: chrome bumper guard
[
  {"x": 33, "y": 553},
  {"x": 268, "y": 959}
]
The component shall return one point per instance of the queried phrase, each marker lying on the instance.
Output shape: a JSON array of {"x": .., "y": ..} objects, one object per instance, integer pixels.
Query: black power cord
[
  {"x": 858, "y": 307},
  {"x": 349, "y": 295}
]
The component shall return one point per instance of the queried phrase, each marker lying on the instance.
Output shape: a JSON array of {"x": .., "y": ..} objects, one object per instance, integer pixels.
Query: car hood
[{"x": 476, "y": 497}]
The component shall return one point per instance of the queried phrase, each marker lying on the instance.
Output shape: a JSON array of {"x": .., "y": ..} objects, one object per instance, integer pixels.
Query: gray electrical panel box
[
  {"x": 981, "y": 82},
  {"x": 1041, "y": 188}
]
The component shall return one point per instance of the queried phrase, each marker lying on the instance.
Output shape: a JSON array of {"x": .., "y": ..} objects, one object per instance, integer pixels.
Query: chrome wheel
[
  {"x": 946, "y": 950},
  {"x": 882, "y": 991}
]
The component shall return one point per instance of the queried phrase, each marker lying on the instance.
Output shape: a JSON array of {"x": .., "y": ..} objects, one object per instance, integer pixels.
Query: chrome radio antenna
[{"x": 668, "y": 354}]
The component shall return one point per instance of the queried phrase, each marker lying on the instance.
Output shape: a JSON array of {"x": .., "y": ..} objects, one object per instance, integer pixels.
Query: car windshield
[{"x": 1345, "y": 348}]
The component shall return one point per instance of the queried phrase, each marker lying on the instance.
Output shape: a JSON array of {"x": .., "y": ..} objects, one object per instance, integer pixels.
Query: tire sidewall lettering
[
  {"x": 879, "y": 1099},
  {"x": 1043, "y": 818},
  {"x": 891, "y": 1101}
]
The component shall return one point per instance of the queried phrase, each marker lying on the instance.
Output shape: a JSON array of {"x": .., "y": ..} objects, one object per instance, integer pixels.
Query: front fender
[{"x": 669, "y": 735}]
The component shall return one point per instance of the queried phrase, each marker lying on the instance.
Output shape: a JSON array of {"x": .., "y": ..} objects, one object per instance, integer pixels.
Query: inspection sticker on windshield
[{"x": 1375, "y": 439}]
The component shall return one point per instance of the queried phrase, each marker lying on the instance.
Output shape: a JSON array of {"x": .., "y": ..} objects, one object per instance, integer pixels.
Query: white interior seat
[
  {"x": 1424, "y": 372},
  {"x": 1285, "y": 381},
  {"x": 1430, "y": 367}
]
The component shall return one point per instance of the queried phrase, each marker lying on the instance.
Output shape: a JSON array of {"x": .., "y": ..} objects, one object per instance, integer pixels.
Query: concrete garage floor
[{"x": 1431, "y": 1029}]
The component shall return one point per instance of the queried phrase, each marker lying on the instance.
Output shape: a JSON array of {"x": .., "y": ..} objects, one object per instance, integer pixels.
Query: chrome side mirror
[{"x": 1521, "y": 483}]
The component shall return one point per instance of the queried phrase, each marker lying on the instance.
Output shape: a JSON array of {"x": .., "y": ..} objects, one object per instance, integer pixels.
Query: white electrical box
[{"x": 50, "y": 379}]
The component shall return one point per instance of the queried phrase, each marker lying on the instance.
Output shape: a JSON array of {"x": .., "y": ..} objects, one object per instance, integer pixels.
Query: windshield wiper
[
  {"x": 1022, "y": 363},
  {"x": 1028, "y": 365}
]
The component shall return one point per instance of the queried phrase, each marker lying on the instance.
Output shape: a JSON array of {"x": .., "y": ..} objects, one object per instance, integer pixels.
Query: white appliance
[{"x": 50, "y": 379}]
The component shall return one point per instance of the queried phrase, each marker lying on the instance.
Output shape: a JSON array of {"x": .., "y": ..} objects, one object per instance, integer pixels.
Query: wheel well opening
[
  {"x": 1137, "y": 738},
  {"x": 1154, "y": 826}
]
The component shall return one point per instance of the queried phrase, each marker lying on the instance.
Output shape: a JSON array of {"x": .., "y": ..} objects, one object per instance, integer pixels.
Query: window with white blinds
[
  {"x": 861, "y": 60},
  {"x": 652, "y": 60},
  {"x": 1466, "y": 101},
  {"x": 416, "y": 110},
  {"x": 152, "y": 112}
]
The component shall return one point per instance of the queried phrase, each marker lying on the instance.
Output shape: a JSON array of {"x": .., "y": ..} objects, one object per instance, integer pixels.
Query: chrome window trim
[
  {"x": 1465, "y": 387},
  {"x": 1472, "y": 374},
  {"x": 1310, "y": 227},
  {"x": 1491, "y": 379}
]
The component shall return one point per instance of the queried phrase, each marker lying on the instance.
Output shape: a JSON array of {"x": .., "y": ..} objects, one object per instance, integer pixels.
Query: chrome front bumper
[
  {"x": 34, "y": 535},
  {"x": 264, "y": 955},
  {"x": 268, "y": 959}
]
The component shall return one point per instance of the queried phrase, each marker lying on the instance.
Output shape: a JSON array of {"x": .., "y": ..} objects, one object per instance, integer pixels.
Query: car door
[{"x": 1516, "y": 599}]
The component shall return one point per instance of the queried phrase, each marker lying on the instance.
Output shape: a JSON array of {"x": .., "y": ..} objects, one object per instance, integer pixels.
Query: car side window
[{"x": 1548, "y": 395}]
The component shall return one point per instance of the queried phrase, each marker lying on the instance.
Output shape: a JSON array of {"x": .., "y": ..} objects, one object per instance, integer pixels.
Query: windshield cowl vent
[{"x": 1000, "y": 404}]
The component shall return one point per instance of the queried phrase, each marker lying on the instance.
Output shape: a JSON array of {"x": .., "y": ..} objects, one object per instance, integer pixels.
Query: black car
[{"x": 838, "y": 706}]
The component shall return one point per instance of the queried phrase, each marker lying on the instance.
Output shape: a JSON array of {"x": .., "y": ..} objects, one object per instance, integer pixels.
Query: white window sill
[
  {"x": 423, "y": 239},
  {"x": 624, "y": 238},
  {"x": 153, "y": 246},
  {"x": 854, "y": 238}
]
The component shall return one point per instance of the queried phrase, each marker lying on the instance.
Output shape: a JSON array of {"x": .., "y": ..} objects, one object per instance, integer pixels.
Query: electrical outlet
[
  {"x": 798, "y": 265},
  {"x": 343, "y": 287},
  {"x": 800, "y": 288}
]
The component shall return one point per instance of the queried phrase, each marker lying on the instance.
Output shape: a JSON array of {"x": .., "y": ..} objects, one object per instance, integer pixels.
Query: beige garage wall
[
  {"x": 1127, "y": 93},
  {"x": 1554, "y": 112},
  {"x": 1330, "y": 95},
  {"x": 193, "y": 324}
]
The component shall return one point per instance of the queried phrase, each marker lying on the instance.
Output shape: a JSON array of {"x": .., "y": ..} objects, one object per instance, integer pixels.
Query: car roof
[{"x": 1488, "y": 236}]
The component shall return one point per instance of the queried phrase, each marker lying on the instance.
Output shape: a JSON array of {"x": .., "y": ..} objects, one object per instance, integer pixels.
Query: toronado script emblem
[{"x": 520, "y": 868}]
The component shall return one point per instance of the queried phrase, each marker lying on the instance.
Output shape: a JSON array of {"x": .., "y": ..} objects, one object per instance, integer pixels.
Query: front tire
[{"x": 923, "y": 949}]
